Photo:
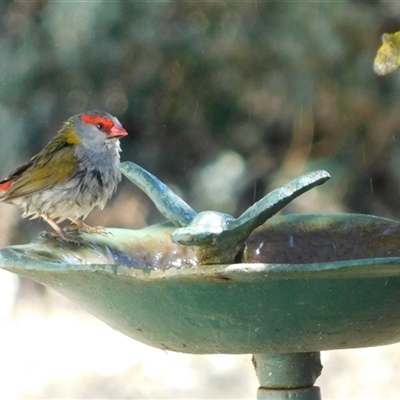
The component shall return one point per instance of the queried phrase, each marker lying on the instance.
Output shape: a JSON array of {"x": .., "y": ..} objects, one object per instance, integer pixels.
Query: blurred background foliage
[{"x": 222, "y": 100}]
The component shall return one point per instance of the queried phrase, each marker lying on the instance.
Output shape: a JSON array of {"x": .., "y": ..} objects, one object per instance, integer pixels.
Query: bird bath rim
[{"x": 245, "y": 307}]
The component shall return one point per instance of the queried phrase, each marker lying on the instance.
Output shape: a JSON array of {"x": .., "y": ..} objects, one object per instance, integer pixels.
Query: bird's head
[{"x": 94, "y": 128}]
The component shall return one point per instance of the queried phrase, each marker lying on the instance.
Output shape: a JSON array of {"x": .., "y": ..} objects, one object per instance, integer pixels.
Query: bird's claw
[
  {"x": 65, "y": 236},
  {"x": 99, "y": 230}
]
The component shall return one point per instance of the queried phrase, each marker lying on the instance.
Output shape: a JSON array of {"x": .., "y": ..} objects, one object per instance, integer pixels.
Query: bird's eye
[{"x": 100, "y": 126}]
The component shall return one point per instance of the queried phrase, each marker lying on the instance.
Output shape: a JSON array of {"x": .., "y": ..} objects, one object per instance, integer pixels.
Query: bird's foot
[
  {"x": 69, "y": 237},
  {"x": 60, "y": 233},
  {"x": 80, "y": 225}
]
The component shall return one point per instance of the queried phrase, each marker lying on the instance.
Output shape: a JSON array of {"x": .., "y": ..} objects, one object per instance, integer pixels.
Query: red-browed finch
[{"x": 75, "y": 172}]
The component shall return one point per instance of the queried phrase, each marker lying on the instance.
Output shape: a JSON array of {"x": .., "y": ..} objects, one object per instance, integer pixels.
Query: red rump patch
[
  {"x": 4, "y": 186},
  {"x": 106, "y": 123}
]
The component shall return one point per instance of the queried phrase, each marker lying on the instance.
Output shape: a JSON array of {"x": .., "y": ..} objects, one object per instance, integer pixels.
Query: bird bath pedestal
[{"x": 291, "y": 287}]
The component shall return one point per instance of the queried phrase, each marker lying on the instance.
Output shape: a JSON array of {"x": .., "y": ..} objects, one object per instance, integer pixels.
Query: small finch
[{"x": 75, "y": 172}]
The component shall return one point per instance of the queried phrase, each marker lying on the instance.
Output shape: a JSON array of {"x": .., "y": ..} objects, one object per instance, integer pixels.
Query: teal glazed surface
[{"x": 307, "y": 283}]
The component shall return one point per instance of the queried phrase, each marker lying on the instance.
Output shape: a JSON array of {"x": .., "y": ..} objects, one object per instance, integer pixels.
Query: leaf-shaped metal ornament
[{"x": 217, "y": 237}]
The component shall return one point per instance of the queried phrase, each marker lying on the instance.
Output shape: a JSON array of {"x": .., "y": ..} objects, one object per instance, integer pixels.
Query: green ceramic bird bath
[{"x": 294, "y": 286}]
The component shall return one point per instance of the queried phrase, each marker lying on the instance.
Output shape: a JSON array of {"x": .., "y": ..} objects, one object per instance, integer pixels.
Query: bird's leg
[
  {"x": 59, "y": 231},
  {"x": 53, "y": 224},
  {"x": 89, "y": 229}
]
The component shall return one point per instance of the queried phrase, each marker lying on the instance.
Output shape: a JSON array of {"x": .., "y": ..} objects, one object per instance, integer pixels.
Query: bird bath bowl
[{"x": 305, "y": 283}]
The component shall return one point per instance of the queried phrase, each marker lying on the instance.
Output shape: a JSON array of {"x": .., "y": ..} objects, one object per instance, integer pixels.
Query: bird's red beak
[{"x": 117, "y": 131}]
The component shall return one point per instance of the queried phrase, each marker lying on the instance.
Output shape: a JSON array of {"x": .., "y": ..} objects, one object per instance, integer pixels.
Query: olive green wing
[{"x": 53, "y": 166}]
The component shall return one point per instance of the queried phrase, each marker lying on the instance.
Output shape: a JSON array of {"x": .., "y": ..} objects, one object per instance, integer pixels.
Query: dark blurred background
[{"x": 223, "y": 101}]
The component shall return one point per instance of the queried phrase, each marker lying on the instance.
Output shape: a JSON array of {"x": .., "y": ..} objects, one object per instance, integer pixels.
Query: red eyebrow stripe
[{"x": 96, "y": 119}]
